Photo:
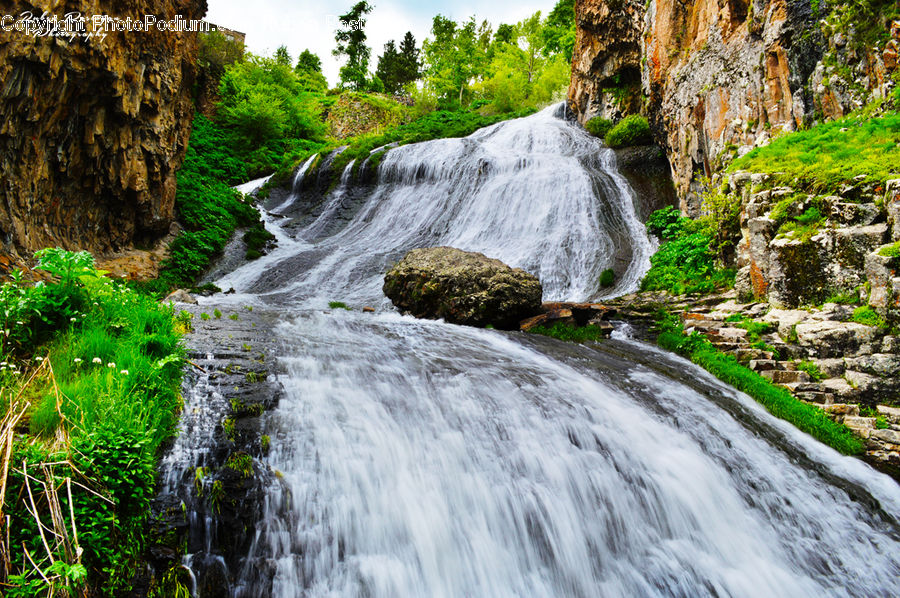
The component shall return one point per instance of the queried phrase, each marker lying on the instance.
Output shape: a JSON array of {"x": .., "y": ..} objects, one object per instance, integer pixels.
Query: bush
[
  {"x": 607, "y": 278},
  {"x": 631, "y": 130},
  {"x": 869, "y": 317},
  {"x": 99, "y": 408},
  {"x": 598, "y": 127},
  {"x": 685, "y": 262}
]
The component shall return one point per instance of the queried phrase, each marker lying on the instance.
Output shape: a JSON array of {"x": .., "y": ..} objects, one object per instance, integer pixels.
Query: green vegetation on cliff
[
  {"x": 89, "y": 380},
  {"x": 777, "y": 401},
  {"x": 686, "y": 261},
  {"x": 831, "y": 154}
]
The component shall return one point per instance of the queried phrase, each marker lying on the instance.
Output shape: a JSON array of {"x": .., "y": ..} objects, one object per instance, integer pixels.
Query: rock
[
  {"x": 785, "y": 319},
  {"x": 785, "y": 377},
  {"x": 888, "y": 436},
  {"x": 892, "y": 206},
  {"x": 878, "y": 364},
  {"x": 463, "y": 288},
  {"x": 836, "y": 339},
  {"x": 181, "y": 296},
  {"x": 843, "y": 409},
  {"x": 762, "y": 365},
  {"x": 882, "y": 274},
  {"x": 840, "y": 388},
  {"x": 368, "y": 310},
  {"x": 94, "y": 131}
]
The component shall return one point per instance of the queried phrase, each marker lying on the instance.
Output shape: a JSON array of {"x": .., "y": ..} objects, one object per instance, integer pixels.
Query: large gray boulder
[{"x": 463, "y": 288}]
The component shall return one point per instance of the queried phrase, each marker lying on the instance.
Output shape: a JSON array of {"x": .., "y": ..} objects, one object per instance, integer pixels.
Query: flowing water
[{"x": 421, "y": 459}]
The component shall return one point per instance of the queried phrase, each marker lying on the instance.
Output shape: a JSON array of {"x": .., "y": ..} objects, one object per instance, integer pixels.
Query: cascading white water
[
  {"x": 420, "y": 459},
  {"x": 536, "y": 193}
]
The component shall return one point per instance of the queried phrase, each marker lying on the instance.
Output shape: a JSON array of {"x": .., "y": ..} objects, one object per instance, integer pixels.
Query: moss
[
  {"x": 869, "y": 317},
  {"x": 569, "y": 332},
  {"x": 607, "y": 278},
  {"x": 890, "y": 250},
  {"x": 631, "y": 130}
]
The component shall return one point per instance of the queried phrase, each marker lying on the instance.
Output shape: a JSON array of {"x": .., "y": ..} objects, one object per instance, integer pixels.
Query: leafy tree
[
  {"x": 351, "y": 42},
  {"x": 454, "y": 58},
  {"x": 308, "y": 62},
  {"x": 282, "y": 57},
  {"x": 506, "y": 34},
  {"x": 309, "y": 72},
  {"x": 559, "y": 30}
]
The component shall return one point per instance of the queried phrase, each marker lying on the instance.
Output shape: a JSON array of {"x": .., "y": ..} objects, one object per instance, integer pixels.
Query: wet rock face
[
  {"x": 719, "y": 76},
  {"x": 92, "y": 131},
  {"x": 462, "y": 288}
]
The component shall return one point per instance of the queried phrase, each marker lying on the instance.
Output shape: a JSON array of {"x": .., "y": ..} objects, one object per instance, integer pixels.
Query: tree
[
  {"x": 308, "y": 62},
  {"x": 282, "y": 56},
  {"x": 454, "y": 58},
  {"x": 388, "y": 70},
  {"x": 351, "y": 42},
  {"x": 559, "y": 30},
  {"x": 410, "y": 65}
]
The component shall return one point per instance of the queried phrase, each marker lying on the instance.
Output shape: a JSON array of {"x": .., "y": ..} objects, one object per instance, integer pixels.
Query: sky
[{"x": 302, "y": 24}]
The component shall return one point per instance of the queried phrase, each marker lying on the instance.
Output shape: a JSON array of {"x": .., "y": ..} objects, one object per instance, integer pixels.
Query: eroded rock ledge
[{"x": 94, "y": 130}]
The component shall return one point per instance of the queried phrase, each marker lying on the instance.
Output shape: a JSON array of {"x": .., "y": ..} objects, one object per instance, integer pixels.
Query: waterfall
[{"x": 421, "y": 459}]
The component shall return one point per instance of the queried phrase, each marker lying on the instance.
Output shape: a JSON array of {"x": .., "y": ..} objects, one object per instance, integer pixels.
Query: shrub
[
  {"x": 598, "y": 127},
  {"x": 869, "y": 317},
  {"x": 568, "y": 332},
  {"x": 631, "y": 130},
  {"x": 607, "y": 278}
]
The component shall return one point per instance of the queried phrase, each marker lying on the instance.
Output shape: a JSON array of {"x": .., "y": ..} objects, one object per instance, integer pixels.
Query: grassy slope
[{"x": 831, "y": 154}]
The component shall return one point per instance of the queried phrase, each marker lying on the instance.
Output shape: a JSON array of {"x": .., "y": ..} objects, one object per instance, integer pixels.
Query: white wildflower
[
  {"x": 77, "y": 360},
  {"x": 124, "y": 372},
  {"x": 111, "y": 364},
  {"x": 72, "y": 319},
  {"x": 96, "y": 360}
]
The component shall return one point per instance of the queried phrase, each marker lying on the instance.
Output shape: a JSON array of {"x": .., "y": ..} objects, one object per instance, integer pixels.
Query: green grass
[
  {"x": 777, "y": 401},
  {"x": 101, "y": 405},
  {"x": 890, "y": 250},
  {"x": 338, "y": 305},
  {"x": 607, "y": 278},
  {"x": 569, "y": 332},
  {"x": 812, "y": 369},
  {"x": 831, "y": 154},
  {"x": 869, "y": 317}
]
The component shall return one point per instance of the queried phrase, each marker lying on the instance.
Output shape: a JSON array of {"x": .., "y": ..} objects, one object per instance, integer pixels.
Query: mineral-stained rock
[
  {"x": 463, "y": 288},
  {"x": 92, "y": 131}
]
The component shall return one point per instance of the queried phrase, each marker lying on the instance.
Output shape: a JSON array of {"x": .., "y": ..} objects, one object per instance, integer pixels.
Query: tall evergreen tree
[
  {"x": 389, "y": 68},
  {"x": 351, "y": 42},
  {"x": 410, "y": 64},
  {"x": 308, "y": 62}
]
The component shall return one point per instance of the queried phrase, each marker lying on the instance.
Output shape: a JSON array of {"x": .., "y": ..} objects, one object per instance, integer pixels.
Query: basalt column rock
[{"x": 93, "y": 130}]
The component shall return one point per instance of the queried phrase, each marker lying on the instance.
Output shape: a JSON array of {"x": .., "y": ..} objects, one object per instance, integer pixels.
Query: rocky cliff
[
  {"x": 719, "y": 77},
  {"x": 93, "y": 129}
]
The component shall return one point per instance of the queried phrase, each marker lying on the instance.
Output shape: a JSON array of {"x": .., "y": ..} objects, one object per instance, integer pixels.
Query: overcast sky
[{"x": 301, "y": 24}]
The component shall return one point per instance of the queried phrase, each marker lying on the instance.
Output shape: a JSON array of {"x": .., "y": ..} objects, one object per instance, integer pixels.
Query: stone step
[
  {"x": 787, "y": 365},
  {"x": 843, "y": 409},
  {"x": 824, "y": 399},
  {"x": 733, "y": 333},
  {"x": 726, "y": 347},
  {"x": 762, "y": 365},
  {"x": 785, "y": 377},
  {"x": 747, "y": 355},
  {"x": 864, "y": 426}
]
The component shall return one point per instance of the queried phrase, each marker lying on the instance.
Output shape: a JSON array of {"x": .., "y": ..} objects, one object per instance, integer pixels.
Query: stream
[{"x": 421, "y": 459}]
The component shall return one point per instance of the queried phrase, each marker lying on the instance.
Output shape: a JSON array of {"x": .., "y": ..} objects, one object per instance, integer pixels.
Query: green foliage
[
  {"x": 684, "y": 263},
  {"x": 559, "y": 30},
  {"x": 338, "y": 305},
  {"x": 869, "y": 317},
  {"x": 831, "y": 154},
  {"x": 776, "y": 400},
  {"x": 257, "y": 239},
  {"x": 812, "y": 369},
  {"x": 607, "y": 278},
  {"x": 754, "y": 329},
  {"x": 723, "y": 211},
  {"x": 890, "y": 250},
  {"x": 631, "y": 130},
  {"x": 114, "y": 397},
  {"x": 598, "y": 127},
  {"x": 569, "y": 332},
  {"x": 351, "y": 43},
  {"x": 844, "y": 297},
  {"x": 398, "y": 68}
]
